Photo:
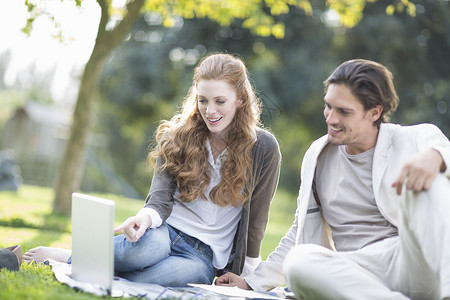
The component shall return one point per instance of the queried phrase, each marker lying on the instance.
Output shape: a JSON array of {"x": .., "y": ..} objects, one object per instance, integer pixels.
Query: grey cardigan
[{"x": 255, "y": 211}]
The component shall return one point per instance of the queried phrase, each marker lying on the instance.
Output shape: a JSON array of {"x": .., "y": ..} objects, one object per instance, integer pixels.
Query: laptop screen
[{"x": 92, "y": 240}]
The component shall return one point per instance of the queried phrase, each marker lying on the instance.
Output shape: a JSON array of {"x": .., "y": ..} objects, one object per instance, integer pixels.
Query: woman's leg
[
  {"x": 190, "y": 261},
  {"x": 41, "y": 254},
  {"x": 150, "y": 249},
  {"x": 173, "y": 271}
]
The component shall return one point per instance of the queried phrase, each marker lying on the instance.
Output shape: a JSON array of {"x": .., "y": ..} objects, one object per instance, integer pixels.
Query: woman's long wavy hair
[{"x": 181, "y": 142}]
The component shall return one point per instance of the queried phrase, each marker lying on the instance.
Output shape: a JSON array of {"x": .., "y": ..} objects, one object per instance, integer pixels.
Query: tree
[
  {"x": 258, "y": 16},
  {"x": 149, "y": 74}
]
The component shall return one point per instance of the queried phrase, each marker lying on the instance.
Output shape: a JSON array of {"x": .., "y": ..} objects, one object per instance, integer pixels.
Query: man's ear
[{"x": 375, "y": 113}]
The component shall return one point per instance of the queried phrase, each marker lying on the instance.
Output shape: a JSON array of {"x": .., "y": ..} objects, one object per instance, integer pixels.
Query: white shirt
[{"x": 212, "y": 224}]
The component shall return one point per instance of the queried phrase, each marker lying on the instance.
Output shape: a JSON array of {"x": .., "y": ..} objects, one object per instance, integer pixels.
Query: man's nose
[{"x": 330, "y": 117}]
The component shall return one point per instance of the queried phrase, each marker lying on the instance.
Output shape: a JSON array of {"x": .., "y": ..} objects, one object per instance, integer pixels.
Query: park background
[{"x": 145, "y": 78}]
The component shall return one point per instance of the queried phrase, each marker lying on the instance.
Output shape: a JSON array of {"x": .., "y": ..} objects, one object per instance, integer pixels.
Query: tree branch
[
  {"x": 111, "y": 39},
  {"x": 104, "y": 7}
]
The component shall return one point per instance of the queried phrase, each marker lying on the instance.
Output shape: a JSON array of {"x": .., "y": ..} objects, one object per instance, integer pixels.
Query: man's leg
[
  {"x": 424, "y": 259},
  {"x": 315, "y": 272}
]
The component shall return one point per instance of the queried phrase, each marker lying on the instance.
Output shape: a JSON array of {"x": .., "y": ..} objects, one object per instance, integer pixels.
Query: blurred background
[{"x": 147, "y": 76}]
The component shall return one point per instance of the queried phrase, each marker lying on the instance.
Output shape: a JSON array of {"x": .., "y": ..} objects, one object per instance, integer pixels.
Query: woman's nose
[{"x": 210, "y": 109}]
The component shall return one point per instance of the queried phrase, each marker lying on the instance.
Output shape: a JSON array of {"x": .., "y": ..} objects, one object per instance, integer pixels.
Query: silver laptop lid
[{"x": 92, "y": 240}]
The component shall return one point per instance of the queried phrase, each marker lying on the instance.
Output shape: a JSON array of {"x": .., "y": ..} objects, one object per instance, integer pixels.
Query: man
[
  {"x": 11, "y": 258},
  {"x": 373, "y": 208}
]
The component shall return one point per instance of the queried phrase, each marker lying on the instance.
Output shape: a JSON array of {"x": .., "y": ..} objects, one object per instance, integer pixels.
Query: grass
[
  {"x": 36, "y": 282},
  {"x": 26, "y": 218}
]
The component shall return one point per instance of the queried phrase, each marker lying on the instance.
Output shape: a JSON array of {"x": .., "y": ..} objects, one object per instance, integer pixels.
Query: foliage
[{"x": 259, "y": 17}]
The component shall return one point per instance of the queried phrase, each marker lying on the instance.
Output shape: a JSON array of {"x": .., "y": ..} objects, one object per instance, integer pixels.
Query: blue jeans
[{"x": 164, "y": 256}]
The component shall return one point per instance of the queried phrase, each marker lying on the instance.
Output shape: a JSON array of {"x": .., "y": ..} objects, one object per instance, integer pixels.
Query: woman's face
[{"x": 217, "y": 103}]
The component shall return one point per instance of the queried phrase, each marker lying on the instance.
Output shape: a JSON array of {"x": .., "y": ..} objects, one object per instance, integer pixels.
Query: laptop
[
  {"x": 93, "y": 252},
  {"x": 92, "y": 240}
]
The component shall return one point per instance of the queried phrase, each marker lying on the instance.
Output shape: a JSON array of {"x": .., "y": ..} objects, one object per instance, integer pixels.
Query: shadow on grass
[
  {"x": 57, "y": 222},
  {"x": 55, "y": 232},
  {"x": 51, "y": 222},
  {"x": 30, "y": 238},
  {"x": 49, "y": 239}
]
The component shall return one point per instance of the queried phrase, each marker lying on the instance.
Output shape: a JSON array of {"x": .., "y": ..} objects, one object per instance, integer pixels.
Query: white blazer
[{"x": 394, "y": 146}]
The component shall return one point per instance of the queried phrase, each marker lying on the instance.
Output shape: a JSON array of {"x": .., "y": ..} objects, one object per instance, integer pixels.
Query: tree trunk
[
  {"x": 71, "y": 167},
  {"x": 72, "y": 164}
]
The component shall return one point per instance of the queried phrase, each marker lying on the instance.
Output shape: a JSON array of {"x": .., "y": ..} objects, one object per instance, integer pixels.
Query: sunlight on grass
[
  {"x": 29, "y": 203},
  {"x": 30, "y": 238},
  {"x": 125, "y": 207},
  {"x": 32, "y": 206}
]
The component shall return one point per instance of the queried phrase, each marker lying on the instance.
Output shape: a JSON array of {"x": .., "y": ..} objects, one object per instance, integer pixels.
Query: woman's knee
[
  {"x": 152, "y": 247},
  {"x": 201, "y": 274}
]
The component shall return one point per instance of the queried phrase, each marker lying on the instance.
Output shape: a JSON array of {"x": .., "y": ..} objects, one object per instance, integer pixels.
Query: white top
[
  {"x": 212, "y": 224},
  {"x": 344, "y": 186}
]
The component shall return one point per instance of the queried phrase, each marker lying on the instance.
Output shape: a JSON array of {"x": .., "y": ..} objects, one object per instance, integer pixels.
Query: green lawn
[{"x": 26, "y": 218}]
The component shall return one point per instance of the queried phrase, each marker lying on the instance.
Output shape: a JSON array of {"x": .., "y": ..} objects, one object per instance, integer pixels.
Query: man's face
[{"x": 348, "y": 123}]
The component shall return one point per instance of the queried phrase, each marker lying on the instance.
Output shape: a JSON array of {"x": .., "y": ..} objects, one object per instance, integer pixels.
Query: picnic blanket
[{"x": 126, "y": 289}]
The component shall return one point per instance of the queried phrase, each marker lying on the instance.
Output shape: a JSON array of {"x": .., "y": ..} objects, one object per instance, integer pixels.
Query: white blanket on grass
[{"x": 126, "y": 289}]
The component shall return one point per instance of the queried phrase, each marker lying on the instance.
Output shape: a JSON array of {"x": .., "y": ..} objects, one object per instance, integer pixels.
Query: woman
[{"x": 215, "y": 174}]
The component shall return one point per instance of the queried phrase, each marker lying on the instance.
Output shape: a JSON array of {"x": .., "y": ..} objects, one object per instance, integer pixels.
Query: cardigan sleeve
[
  {"x": 266, "y": 170},
  {"x": 160, "y": 196}
]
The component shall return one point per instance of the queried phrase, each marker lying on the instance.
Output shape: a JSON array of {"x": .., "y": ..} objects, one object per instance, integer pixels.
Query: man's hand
[
  {"x": 231, "y": 279},
  {"x": 419, "y": 171},
  {"x": 134, "y": 227}
]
